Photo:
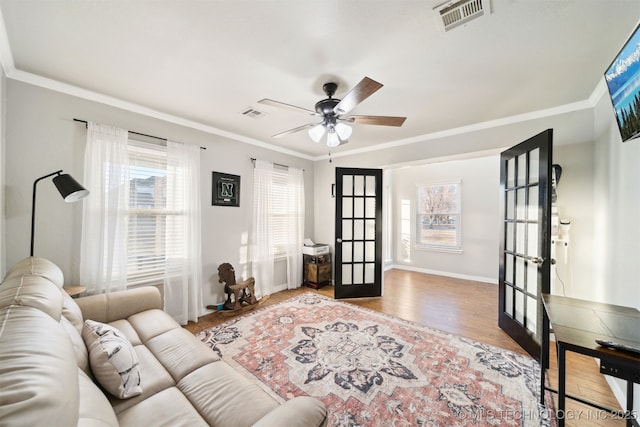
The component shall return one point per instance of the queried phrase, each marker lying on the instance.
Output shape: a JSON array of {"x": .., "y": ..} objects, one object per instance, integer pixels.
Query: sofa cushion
[
  {"x": 156, "y": 379},
  {"x": 151, "y": 323},
  {"x": 38, "y": 371},
  {"x": 224, "y": 397},
  {"x": 118, "y": 305},
  {"x": 32, "y": 291},
  {"x": 301, "y": 411},
  {"x": 180, "y": 352},
  {"x": 169, "y": 408},
  {"x": 95, "y": 409},
  {"x": 72, "y": 312},
  {"x": 113, "y": 360},
  {"x": 125, "y": 328},
  {"x": 38, "y": 267},
  {"x": 79, "y": 348}
]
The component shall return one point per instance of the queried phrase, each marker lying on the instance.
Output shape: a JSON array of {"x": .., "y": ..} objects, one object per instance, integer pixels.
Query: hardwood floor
[{"x": 468, "y": 309}]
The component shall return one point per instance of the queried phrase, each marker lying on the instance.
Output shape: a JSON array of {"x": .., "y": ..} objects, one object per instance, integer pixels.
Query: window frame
[{"x": 424, "y": 244}]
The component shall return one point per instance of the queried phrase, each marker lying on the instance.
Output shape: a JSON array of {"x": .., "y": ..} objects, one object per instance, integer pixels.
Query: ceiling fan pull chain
[{"x": 330, "y": 160}]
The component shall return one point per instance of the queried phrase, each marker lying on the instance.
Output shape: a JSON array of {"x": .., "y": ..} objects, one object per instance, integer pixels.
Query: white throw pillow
[{"x": 113, "y": 360}]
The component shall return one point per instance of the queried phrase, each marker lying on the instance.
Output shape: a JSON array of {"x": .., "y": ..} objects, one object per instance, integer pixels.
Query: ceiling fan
[{"x": 335, "y": 123}]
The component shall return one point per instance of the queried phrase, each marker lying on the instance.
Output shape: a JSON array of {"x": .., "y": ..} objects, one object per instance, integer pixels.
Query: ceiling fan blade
[
  {"x": 377, "y": 120},
  {"x": 359, "y": 93},
  {"x": 279, "y": 104},
  {"x": 294, "y": 130}
]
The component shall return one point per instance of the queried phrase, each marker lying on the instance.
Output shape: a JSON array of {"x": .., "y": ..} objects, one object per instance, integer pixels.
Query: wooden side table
[{"x": 75, "y": 290}]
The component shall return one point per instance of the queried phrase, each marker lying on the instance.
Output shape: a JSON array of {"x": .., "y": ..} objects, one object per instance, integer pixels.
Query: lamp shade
[
  {"x": 70, "y": 190},
  {"x": 316, "y": 132},
  {"x": 332, "y": 138},
  {"x": 344, "y": 131}
]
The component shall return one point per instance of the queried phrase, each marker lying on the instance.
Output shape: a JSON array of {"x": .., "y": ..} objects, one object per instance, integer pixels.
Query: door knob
[
  {"x": 339, "y": 240},
  {"x": 536, "y": 260}
]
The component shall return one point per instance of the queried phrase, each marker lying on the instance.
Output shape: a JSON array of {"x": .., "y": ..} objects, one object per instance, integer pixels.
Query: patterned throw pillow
[{"x": 113, "y": 360}]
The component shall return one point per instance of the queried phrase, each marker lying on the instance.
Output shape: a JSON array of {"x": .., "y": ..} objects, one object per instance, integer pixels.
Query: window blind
[
  {"x": 155, "y": 213},
  {"x": 280, "y": 210}
]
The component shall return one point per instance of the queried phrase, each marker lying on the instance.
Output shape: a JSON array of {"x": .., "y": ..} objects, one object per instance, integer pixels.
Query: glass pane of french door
[{"x": 522, "y": 245}]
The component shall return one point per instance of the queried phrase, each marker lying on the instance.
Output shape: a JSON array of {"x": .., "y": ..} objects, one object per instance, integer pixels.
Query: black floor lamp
[{"x": 69, "y": 189}]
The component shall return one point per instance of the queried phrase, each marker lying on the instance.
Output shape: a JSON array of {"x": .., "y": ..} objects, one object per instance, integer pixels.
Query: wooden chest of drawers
[{"x": 316, "y": 270}]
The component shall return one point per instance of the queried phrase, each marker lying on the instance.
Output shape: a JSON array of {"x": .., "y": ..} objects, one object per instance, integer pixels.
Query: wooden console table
[{"x": 576, "y": 325}]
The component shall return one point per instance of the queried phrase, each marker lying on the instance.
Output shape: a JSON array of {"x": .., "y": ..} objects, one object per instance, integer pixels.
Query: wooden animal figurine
[{"x": 243, "y": 293}]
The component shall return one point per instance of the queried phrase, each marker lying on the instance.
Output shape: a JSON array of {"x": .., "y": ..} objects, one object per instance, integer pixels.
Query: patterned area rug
[{"x": 372, "y": 369}]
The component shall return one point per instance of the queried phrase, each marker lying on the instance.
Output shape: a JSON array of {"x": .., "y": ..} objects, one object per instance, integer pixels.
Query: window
[
  {"x": 278, "y": 224},
  {"x": 141, "y": 224},
  {"x": 438, "y": 217},
  {"x": 151, "y": 218},
  {"x": 280, "y": 212}
]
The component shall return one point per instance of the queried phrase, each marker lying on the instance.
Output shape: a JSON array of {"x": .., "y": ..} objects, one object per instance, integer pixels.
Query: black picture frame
[{"x": 225, "y": 189}]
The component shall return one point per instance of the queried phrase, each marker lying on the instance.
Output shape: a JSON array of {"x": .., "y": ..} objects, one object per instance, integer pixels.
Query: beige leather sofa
[{"x": 47, "y": 374}]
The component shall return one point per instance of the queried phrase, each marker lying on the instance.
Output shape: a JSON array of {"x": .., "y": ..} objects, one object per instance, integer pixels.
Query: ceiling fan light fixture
[
  {"x": 316, "y": 132},
  {"x": 333, "y": 140},
  {"x": 344, "y": 131},
  {"x": 334, "y": 124}
]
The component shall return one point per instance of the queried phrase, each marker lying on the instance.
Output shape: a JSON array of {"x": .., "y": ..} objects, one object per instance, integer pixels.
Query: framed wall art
[{"x": 225, "y": 189}]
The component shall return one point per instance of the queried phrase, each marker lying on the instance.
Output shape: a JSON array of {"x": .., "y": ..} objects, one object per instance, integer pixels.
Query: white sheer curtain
[
  {"x": 105, "y": 241},
  {"x": 295, "y": 224},
  {"x": 262, "y": 231},
  {"x": 183, "y": 271},
  {"x": 270, "y": 200},
  {"x": 103, "y": 252}
]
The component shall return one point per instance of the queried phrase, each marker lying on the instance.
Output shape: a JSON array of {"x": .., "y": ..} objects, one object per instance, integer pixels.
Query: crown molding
[
  {"x": 68, "y": 89},
  {"x": 6, "y": 57},
  {"x": 76, "y": 91},
  {"x": 10, "y": 71},
  {"x": 504, "y": 121}
]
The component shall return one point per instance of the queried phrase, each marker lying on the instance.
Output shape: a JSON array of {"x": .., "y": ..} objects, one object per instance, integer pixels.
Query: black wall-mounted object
[{"x": 225, "y": 189}]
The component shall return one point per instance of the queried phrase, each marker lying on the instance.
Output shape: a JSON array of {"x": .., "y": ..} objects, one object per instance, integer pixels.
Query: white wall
[
  {"x": 447, "y": 148},
  {"x": 616, "y": 230},
  {"x": 41, "y": 137},
  {"x": 2, "y": 171},
  {"x": 480, "y": 178},
  {"x": 617, "y": 205},
  {"x": 574, "y": 270}
]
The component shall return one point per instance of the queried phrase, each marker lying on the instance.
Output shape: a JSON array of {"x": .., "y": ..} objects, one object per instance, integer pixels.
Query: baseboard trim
[{"x": 443, "y": 273}]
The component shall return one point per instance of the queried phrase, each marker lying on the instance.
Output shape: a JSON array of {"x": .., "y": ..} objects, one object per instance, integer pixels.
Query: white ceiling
[{"x": 204, "y": 62}]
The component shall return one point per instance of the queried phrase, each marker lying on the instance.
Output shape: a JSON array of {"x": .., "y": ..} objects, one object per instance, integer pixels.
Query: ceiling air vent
[
  {"x": 253, "y": 113},
  {"x": 455, "y": 13}
]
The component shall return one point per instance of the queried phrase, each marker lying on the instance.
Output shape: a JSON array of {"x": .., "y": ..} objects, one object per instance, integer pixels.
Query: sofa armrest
[
  {"x": 119, "y": 305},
  {"x": 301, "y": 411}
]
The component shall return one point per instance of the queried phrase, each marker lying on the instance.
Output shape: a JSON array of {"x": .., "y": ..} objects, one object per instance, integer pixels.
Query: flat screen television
[{"x": 623, "y": 82}]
